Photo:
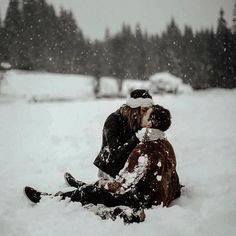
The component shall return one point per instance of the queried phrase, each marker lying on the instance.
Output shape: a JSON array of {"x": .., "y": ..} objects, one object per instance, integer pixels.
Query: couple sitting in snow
[{"x": 137, "y": 165}]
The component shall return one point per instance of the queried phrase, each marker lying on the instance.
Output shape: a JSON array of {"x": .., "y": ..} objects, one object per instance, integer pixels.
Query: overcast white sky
[{"x": 93, "y": 16}]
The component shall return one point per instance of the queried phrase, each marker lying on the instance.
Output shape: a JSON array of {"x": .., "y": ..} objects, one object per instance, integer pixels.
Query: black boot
[
  {"x": 33, "y": 195},
  {"x": 71, "y": 181}
]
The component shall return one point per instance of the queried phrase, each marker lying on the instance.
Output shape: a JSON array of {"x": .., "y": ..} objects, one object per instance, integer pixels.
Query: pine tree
[
  {"x": 13, "y": 30},
  {"x": 107, "y": 54},
  {"x": 44, "y": 45},
  {"x": 234, "y": 47},
  {"x": 127, "y": 54},
  {"x": 188, "y": 55},
  {"x": 139, "y": 54},
  {"x": 40, "y": 34},
  {"x": 31, "y": 36},
  {"x": 120, "y": 46},
  {"x": 153, "y": 54},
  {"x": 202, "y": 63},
  {"x": 224, "y": 57},
  {"x": 234, "y": 20},
  {"x": 72, "y": 44},
  {"x": 2, "y": 53},
  {"x": 171, "y": 49},
  {"x": 212, "y": 57}
]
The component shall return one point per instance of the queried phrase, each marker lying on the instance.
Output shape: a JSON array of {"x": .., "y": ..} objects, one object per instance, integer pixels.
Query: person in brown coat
[
  {"x": 151, "y": 166},
  {"x": 148, "y": 178}
]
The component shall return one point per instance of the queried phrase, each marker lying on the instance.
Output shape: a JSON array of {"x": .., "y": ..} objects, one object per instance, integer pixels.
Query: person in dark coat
[
  {"x": 119, "y": 138},
  {"x": 148, "y": 178}
]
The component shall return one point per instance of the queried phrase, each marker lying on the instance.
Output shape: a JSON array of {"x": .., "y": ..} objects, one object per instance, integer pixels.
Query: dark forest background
[{"x": 34, "y": 37}]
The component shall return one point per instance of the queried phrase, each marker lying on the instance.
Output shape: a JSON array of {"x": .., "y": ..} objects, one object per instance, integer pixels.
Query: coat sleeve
[
  {"x": 119, "y": 150},
  {"x": 136, "y": 167}
]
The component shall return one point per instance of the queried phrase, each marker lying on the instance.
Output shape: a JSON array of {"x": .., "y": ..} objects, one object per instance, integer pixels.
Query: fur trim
[
  {"x": 139, "y": 102},
  {"x": 154, "y": 134}
]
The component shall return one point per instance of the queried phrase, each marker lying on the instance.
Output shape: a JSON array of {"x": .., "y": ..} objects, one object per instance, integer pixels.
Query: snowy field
[{"x": 40, "y": 141}]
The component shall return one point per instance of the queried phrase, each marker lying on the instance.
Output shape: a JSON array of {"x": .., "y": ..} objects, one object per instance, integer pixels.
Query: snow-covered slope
[
  {"x": 47, "y": 86},
  {"x": 41, "y": 87},
  {"x": 39, "y": 142}
]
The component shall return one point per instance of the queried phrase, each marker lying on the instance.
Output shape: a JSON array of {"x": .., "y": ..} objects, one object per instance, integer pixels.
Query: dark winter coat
[{"x": 118, "y": 140}]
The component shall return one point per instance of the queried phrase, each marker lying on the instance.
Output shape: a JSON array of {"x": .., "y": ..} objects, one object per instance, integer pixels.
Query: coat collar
[{"x": 153, "y": 134}]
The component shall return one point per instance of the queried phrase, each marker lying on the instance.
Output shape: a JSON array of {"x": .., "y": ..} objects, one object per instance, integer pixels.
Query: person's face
[{"x": 145, "y": 113}]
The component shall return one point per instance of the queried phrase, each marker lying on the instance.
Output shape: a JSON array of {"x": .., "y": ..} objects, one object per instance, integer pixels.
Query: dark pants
[
  {"x": 92, "y": 194},
  {"x": 87, "y": 194}
]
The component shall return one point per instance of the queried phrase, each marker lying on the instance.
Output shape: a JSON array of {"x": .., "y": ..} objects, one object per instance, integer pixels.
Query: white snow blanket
[
  {"x": 165, "y": 82},
  {"x": 36, "y": 86},
  {"x": 39, "y": 142}
]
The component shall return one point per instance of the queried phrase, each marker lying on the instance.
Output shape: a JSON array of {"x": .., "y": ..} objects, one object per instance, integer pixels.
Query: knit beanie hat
[{"x": 139, "y": 98}]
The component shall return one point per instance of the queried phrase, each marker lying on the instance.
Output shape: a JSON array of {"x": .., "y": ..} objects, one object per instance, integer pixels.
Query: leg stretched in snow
[{"x": 91, "y": 194}]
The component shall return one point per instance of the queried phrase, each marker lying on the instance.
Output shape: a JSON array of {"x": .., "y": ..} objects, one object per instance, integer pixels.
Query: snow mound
[
  {"x": 130, "y": 85},
  {"x": 165, "y": 82},
  {"x": 37, "y": 86},
  {"x": 158, "y": 83},
  {"x": 108, "y": 87},
  {"x": 5, "y": 66}
]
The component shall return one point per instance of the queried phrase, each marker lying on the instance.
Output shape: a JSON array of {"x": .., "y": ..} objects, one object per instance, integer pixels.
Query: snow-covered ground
[
  {"x": 40, "y": 86},
  {"x": 40, "y": 141}
]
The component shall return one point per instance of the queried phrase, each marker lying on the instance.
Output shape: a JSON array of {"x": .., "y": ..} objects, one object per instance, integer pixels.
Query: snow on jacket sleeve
[
  {"x": 117, "y": 145},
  {"x": 117, "y": 148}
]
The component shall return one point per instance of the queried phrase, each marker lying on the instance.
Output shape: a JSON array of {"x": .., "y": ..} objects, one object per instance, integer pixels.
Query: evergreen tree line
[{"x": 34, "y": 37}]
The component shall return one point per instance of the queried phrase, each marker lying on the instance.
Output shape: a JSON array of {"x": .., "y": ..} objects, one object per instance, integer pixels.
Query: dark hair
[
  {"x": 133, "y": 116},
  {"x": 160, "y": 118},
  {"x": 140, "y": 93}
]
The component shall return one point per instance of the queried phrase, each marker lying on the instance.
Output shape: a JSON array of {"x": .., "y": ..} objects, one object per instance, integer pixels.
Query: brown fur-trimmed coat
[{"x": 151, "y": 171}]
